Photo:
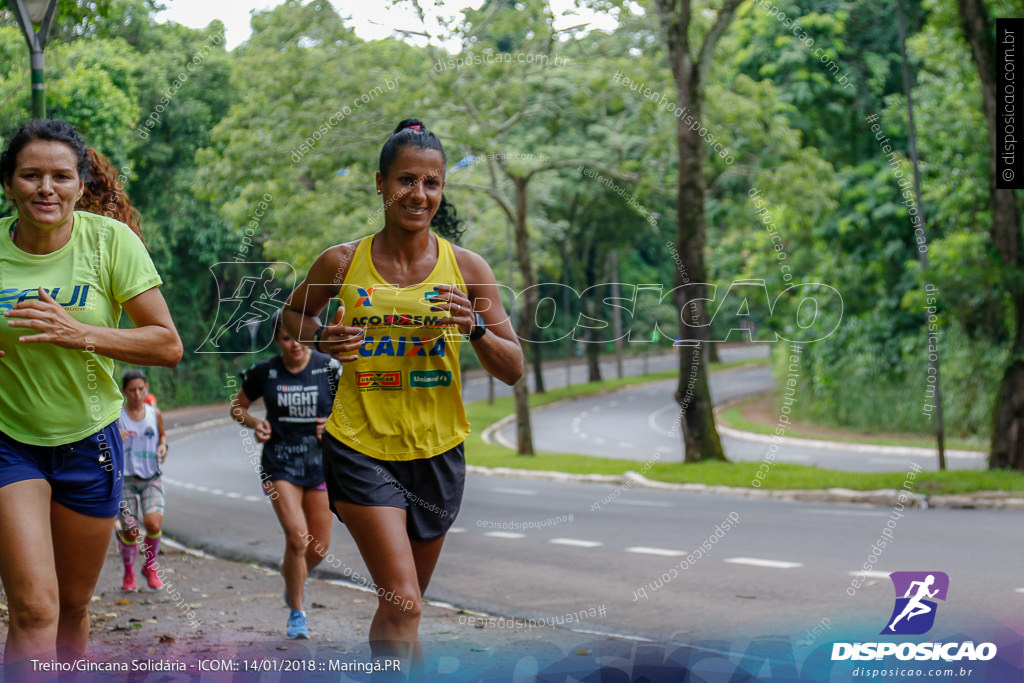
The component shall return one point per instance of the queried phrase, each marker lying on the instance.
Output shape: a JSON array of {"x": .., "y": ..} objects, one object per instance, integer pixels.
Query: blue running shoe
[{"x": 297, "y": 625}]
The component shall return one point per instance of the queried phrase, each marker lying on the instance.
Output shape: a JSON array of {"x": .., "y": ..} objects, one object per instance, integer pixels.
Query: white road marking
[
  {"x": 232, "y": 494},
  {"x": 217, "y": 492},
  {"x": 457, "y": 530},
  {"x": 575, "y": 542},
  {"x": 642, "y": 503},
  {"x": 871, "y": 574},
  {"x": 661, "y": 552},
  {"x": 598, "y": 440},
  {"x": 504, "y": 534},
  {"x": 757, "y": 562},
  {"x": 253, "y": 499},
  {"x": 790, "y": 456},
  {"x": 845, "y": 513},
  {"x": 1020, "y": 590},
  {"x": 516, "y": 492},
  {"x": 653, "y": 417}
]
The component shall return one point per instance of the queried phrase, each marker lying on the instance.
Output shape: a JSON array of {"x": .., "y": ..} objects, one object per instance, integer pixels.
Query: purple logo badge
[{"x": 914, "y": 612}]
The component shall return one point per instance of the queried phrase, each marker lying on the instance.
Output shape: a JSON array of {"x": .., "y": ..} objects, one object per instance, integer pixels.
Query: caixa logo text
[{"x": 949, "y": 652}]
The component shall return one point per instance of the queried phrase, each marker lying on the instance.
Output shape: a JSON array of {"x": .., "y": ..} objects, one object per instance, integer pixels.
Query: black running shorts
[{"x": 429, "y": 490}]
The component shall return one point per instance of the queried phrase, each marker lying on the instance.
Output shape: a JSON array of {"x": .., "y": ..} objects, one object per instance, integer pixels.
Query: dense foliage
[{"x": 274, "y": 145}]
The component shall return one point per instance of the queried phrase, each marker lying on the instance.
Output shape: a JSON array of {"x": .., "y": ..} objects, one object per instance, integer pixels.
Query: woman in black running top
[{"x": 297, "y": 386}]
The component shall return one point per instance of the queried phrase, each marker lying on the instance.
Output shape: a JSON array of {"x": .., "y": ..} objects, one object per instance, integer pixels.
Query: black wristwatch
[
  {"x": 479, "y": 328},
  {"x": 316, "y": 337}
]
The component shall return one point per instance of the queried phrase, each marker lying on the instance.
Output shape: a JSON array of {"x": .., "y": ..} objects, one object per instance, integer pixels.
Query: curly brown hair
[{"x": 104, "y": 193}]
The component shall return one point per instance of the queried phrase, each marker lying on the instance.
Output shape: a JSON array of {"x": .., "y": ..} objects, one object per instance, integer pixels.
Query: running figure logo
[
  {"x": 248, "y": 294},
  {"x": 914, "y": 613}
]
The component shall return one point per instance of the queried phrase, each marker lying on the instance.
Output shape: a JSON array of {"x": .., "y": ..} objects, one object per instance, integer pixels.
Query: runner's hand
[
  {"x": 262, "y": 430},
  {"x": 49, "y": 317},
  {"x": 457, "y": 304},
  {"x": 320, "y": 422},
  {"x": 339, "y": 340},
  {"x": 161, "y": 453}
]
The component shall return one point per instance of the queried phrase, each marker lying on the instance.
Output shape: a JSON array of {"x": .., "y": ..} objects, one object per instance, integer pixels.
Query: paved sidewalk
[{"x": 214, "y": 613}]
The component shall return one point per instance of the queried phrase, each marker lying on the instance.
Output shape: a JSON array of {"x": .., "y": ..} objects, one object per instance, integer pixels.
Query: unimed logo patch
[
  {"x": 428, "y": 379},
  {"x": 378, "y": 380},
  {"x": 916, "y": 593}
]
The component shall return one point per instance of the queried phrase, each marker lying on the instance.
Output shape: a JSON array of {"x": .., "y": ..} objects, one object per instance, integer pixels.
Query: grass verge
[
  {"x": 780, "y": 476},
  {"x": 733, "y": 417}
]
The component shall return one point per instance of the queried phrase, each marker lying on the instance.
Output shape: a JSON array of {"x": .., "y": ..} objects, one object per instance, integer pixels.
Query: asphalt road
[
  {"x": 641, "y": 423},
  {"x": 546, "y": 549},
  {"x": 556, "y": 374}
]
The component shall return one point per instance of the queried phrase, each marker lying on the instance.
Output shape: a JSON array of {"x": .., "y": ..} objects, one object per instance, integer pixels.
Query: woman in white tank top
[{"x": 145, "y": 448}]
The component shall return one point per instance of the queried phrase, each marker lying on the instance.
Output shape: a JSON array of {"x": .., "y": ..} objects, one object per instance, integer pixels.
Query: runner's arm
[
  {"x": 498, "y": 350},
  {"x": 161, "y": 455},
  {"x": 153, "y": 341},
  {"x": 301, "y": 316},
  {"x": 240, "y": 412}
]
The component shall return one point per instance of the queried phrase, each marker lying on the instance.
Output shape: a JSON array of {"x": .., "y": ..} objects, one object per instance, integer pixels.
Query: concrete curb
[
  {"x": 984, "y": 500},
  {"x": 842, "y": 446}
]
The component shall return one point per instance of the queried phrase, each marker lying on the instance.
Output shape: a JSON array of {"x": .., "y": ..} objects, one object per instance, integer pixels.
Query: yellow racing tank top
[{"x": 402, "y": 398}]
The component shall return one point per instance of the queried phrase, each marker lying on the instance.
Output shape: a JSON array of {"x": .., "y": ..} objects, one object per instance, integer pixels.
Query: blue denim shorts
[{"x": 85, "y": 476}]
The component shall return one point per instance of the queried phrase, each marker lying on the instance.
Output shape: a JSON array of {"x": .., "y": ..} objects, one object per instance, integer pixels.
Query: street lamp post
[{"x": 28, "y": 14}]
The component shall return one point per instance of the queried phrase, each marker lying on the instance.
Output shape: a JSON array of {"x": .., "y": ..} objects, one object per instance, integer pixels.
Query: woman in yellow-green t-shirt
[
  {"x": 393, "y": 456},
  {"x": 65, "y": 277}
]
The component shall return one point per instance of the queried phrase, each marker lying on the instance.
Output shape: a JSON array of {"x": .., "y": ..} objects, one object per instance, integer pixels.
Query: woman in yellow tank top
[{"x": 393, "y": 456}]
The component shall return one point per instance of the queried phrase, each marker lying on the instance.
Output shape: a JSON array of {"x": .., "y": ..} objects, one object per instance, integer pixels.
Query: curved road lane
[{"x": 641, "y": 423}]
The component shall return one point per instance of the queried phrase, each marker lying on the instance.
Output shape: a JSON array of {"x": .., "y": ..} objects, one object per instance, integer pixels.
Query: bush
[{"x": 864, "y": 379}]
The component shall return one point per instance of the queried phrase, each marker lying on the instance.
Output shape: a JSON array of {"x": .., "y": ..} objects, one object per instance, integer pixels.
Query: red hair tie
[{"x": 415, "y": 127}]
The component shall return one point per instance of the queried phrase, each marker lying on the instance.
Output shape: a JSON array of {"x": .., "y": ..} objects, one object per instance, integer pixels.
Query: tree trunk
[
  {"x": 594, "y": 349},
  {"x": 527, "y": 313},
  {"x": 1008, "y": 444},
  {"x": 613, "y": 260},
  {"x": 700, "y": 435},
  {"x": 538, "y": 368},
  {"x": 524, "y": 431},
  {"x": 1007, "y": 447}
]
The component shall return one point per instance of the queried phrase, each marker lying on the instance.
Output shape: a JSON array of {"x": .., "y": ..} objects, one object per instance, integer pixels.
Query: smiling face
[
  {"x": 412, "y": 188},
  {"x": 291, "y": 348},
  {"x": 45, "y": 185}
]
